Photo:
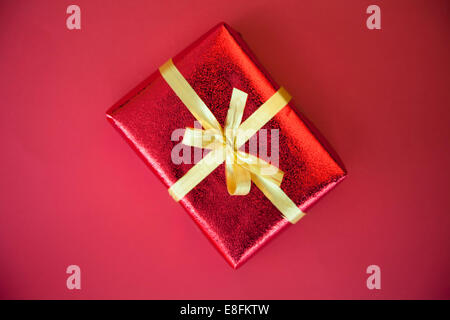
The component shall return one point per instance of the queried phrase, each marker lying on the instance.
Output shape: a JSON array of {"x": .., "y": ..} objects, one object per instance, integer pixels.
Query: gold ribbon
[{"x": 241, "y": 168}]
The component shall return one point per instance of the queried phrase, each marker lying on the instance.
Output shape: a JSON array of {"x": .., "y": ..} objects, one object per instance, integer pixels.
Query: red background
[{"x": 73, "y": 192}]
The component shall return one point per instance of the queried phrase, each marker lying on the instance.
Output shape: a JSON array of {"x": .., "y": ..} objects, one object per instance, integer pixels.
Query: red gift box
[{"x": 153, "y": 117}]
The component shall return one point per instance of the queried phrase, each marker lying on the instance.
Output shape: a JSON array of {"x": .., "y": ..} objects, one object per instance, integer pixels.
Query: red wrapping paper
[{"x": 213, "y": 65}]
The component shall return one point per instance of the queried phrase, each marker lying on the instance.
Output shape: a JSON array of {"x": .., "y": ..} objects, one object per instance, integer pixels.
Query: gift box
[{"x": 225, "y": 140}]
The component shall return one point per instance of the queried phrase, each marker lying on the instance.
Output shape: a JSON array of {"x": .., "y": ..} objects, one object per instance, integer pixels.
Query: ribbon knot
[{"x": 241, "y": 168}]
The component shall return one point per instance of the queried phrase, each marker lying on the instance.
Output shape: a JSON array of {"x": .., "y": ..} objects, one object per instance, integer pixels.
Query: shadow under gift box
[{"x": 213, "y": 65}]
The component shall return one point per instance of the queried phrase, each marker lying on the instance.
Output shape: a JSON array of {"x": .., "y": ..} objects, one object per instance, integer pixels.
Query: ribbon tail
[
  {"x": 278, "y": 198},
  {"x": 237, "y": 178}
]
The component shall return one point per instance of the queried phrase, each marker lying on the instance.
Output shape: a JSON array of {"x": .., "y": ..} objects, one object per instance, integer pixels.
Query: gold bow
[{"x": 240, "y": 168}]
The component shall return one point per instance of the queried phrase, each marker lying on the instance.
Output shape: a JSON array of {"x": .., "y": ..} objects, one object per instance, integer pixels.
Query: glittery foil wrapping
[{"x": 213, "y": 65}]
